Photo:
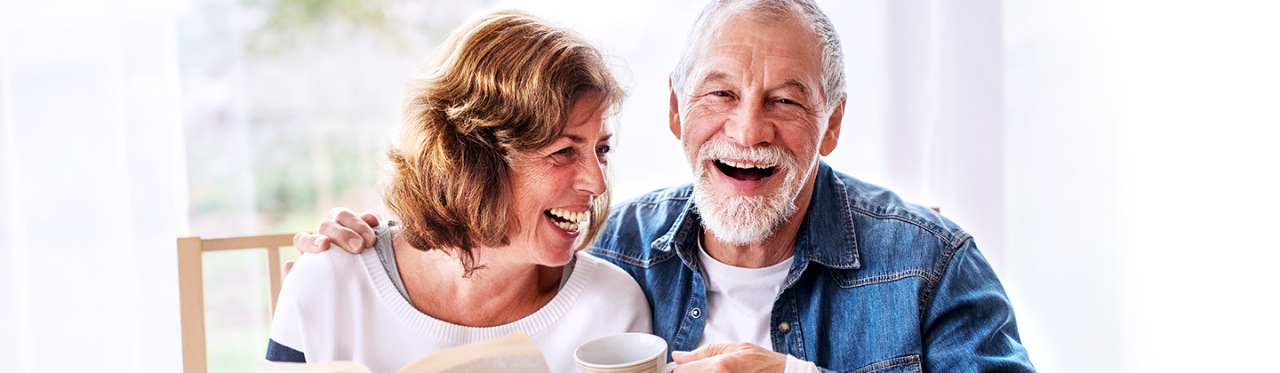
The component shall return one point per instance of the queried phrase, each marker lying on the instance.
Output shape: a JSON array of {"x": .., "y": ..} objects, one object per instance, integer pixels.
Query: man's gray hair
[{"x": 832, "y": 53}]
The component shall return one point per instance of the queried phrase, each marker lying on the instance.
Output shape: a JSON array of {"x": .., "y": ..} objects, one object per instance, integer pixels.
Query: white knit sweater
[{"x": 338, "y": 306}]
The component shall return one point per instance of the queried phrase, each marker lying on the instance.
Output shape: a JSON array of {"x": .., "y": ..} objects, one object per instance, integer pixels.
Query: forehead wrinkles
[{"x": 751, "y": 48}]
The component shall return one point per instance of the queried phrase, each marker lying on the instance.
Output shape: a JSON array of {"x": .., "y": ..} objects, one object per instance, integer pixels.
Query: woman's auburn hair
[{"x": 498, "y": 87}]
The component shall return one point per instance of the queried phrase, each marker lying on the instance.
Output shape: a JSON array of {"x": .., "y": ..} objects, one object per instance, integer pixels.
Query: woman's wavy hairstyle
[{"x": 499, "y": 86}]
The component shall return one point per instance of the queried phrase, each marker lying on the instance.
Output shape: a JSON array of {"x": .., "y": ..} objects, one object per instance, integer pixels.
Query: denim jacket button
[
  {"x": 784, "y": 327},
  {"x": 696, "y": 313}
]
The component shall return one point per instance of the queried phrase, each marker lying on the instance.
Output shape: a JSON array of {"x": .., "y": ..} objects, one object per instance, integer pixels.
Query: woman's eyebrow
[{"x": 578, "y": 139}]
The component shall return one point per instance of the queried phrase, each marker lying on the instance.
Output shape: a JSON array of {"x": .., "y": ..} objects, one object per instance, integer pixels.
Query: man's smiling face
[{"x": 753, "y": 122}]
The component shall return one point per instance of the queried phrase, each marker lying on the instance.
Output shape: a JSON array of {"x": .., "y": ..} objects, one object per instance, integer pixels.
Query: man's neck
[{"x": 772, "y": 250}]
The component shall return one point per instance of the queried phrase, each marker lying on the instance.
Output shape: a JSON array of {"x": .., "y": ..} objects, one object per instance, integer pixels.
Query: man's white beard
[{"x": 741, "y": 220}]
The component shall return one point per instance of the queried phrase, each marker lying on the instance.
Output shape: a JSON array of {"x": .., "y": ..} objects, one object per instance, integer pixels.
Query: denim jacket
[{"x": 877, "y": 285}]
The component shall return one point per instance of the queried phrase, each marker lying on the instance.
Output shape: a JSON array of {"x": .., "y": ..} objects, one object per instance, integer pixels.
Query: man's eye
[
  {"x": 721, "y": 93},
  {"x": 563, "y": 152},
  {"x": 787, "y": 101}
]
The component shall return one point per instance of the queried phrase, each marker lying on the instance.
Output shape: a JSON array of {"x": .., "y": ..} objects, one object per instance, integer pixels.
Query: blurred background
[{"x": 1117, "y": 161}]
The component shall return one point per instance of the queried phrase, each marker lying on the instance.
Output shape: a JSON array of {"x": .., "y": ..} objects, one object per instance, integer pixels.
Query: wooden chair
[{"x": 191, "y": 286}]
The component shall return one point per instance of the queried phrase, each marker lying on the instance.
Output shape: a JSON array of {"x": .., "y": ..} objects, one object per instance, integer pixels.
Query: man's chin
[{"x": 742, "y": 220}]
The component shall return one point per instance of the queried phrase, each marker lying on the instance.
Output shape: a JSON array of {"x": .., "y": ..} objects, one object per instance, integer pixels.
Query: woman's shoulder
[
  {"x": 603, "y": 275},
  {"x": 610, "y": 288},
  {"x": 319, "y": 277},
  {"x": 608, "y": 283}
]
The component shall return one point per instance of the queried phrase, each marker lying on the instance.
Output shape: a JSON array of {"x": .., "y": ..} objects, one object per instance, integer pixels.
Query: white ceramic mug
[{"x": 624, "y": 353}]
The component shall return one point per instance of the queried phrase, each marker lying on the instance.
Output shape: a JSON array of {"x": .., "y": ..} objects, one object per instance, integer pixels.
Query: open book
[{"x": 511, "y": 353}]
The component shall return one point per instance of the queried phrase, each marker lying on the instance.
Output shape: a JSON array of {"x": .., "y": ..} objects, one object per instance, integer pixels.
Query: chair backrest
[{"x": 191, "y": 286}]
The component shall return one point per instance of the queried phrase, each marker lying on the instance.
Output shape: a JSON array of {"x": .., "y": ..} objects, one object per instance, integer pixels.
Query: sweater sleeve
[
  {"x": 307, "y": 284},
  {"x": 279, "y": 352}
]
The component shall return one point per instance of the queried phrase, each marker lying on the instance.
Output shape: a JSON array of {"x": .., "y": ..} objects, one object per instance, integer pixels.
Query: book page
[
  {"x": 329, "y": 367},
  {"x": 510, "y": 353}
]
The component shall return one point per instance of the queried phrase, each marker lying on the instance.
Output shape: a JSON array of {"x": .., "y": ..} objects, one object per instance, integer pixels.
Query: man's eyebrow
[
  {"x": 712, "y": 77},
  {"x": 798, "y": 85}
]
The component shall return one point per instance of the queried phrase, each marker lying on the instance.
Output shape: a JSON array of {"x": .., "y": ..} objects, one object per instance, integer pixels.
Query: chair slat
[
  {"x": 191, "y": 298},
  {"x": 250, "y": 242},
  {"x": 191, "y": 287}
]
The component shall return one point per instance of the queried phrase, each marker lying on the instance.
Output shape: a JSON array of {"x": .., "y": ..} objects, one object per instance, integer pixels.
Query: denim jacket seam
[
  {"x": 943, "y": 264},
  {"x": 892, "y": 363},
  {"x": 654, "y": 199},
  {"x": 953, "y": 240},
  {"x": 890, "y": 277},
  {"x": 599, "y": 251}
]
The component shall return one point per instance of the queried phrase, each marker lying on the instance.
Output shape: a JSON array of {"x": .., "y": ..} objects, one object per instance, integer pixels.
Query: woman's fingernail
[
  {"x": 356, "y": 243},
  {"x": 319, "y": 242}
]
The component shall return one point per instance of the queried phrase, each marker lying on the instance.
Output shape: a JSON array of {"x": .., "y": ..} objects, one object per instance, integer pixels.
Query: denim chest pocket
[{"x": 905, "y": 364}]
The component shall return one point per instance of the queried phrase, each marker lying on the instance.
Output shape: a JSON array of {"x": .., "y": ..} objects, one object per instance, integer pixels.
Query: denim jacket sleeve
[{"x": 968, "y": 321}]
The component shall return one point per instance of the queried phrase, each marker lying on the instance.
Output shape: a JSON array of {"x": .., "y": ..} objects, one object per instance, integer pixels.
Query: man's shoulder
[
  {"x": 636, "y": 223},
  {"x": 874, "y": 209},
  {"x": 888, "y": 235}
]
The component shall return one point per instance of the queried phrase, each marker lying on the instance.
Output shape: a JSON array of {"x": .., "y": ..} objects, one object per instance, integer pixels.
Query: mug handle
[{"x": 670, "y": 367}]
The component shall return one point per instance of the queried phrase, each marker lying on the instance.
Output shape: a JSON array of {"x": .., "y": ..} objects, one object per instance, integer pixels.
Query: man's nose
[{"x": 749, "y": 126}]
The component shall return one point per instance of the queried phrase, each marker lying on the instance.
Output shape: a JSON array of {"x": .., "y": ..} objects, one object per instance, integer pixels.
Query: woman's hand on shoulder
[{"x": 343, "y": 228}]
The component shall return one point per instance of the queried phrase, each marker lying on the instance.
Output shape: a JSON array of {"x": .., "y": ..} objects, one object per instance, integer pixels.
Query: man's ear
[
  {"x": 832, "y": 135},
  {"x": 673, "y": 116}
]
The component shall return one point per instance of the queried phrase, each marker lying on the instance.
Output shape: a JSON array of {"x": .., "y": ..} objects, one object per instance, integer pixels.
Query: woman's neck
[{"x": 500, "y": 293}]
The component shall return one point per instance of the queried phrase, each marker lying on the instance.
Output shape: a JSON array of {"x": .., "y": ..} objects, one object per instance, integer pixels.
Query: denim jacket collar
[{"x": 839, "y": 251}]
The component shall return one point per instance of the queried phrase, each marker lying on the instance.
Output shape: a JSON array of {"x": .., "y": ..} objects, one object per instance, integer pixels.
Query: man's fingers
[
  {"x": 683, "y": 357},
  {"x": 341, "y": 236},
  {"x": 357, "y": 224},
  {"x": 310, "y": 243},
  {"x": 370, "y": 219}
]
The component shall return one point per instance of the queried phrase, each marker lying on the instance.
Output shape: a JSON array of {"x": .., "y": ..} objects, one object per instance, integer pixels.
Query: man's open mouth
[{"x": 744, "y": 171}]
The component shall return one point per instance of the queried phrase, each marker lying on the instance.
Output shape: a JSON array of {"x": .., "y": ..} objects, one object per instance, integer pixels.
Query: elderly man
[{"x": 770, "y": 246}]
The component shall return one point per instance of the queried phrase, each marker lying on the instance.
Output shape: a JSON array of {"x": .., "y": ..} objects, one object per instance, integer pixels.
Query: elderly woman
[{"x": 497, "y": 180}]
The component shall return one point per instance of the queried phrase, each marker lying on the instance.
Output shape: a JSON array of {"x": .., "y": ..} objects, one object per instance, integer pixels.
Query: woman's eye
[
  {"x": 787, "y": 101},
  {"x": 721, "y": 93},
  {"x": 563, "y": 153},
  {"x": 603, "y": 149}
]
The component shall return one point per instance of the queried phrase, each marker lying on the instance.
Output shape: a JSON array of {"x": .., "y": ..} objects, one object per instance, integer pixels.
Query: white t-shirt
[
  {"x": 338, "y": 306},
  {"x": 740, "y": 304}
]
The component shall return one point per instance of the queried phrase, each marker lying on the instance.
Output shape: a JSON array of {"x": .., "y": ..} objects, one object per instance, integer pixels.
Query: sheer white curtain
[
  {"x": 1142, "y": 158},
  {"x": 92, "y": 185}
]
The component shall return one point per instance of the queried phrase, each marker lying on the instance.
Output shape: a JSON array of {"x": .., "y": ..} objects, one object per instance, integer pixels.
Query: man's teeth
[{"x": 745, "y": 166}]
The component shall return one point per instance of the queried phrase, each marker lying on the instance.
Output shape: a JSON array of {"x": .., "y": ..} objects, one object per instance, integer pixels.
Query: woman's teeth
[
  {"x": 569, "y": 221},
  {"x": 567, "y": 227}
]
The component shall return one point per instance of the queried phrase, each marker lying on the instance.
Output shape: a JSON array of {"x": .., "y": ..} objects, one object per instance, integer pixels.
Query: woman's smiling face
[{"x": 554, "y": 187}]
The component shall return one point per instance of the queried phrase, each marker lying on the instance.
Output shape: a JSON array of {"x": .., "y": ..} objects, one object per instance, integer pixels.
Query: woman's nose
[{"x": 591, "y": 178}]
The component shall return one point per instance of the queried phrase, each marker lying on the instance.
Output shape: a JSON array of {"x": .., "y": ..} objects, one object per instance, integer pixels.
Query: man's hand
[
  {"x": 733, "y": 357},
  {"x": 343, "y": 228}
]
